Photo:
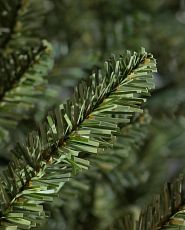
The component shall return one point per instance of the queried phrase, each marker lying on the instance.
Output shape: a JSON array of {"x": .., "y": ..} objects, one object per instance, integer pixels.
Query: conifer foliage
[
  {"x": 78, "y": 128},
  {"x": 99, "y": 158}
]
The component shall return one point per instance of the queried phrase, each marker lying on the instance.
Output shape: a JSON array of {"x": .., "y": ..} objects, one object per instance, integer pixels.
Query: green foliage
[
  {"x": 83, "y": 126},
  {"x": 22, "y": 83},
  {"x": 97, "y": 196},
  {"x": 163, "y": 212},
  {"x": 25, "y": 62},
  {"x": 83, "y": 33},
  {"x": 17, "y": 24}
]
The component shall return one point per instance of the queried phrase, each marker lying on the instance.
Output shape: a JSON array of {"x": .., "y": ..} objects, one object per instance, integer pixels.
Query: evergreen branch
[
  {"x": 127, "y": 145},
  {"x": 22, "y": 83},
  {"x": 115, "y": 169},
  {"x": 166, "y": 209},
  {"x": 15, "y": 65},
  {"x": 17, "y": 23},
  {"x": 82, "y": 126}
]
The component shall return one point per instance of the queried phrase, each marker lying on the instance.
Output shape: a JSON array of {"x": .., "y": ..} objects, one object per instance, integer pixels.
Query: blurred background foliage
[{"x": 83, "y": 33}]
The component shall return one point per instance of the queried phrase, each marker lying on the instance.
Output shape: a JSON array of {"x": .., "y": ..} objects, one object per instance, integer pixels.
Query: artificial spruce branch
[
  {"x": 16, "y": 64},
  {"x": 128, "y": 143},
  {"x": 22, "y": 82},
  {"x": 122, "y": 157},
  {"x": 166, "y": 211},
  {"x": 114, "y": 168},
  {"x": 84, "y": 125}
]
